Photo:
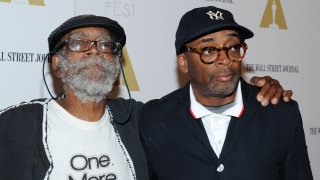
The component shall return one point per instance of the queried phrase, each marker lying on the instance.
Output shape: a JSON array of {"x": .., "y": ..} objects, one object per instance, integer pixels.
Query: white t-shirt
[{"x": 82, "y": 150}]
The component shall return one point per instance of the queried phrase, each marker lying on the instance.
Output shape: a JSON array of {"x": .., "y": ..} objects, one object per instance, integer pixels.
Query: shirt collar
[{"x": 198, "y": 110}]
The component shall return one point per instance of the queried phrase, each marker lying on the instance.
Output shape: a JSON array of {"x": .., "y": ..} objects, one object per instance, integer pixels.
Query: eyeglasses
[
  {"x": 81, "y": 45},
  {"x": 209, "y": 55}
]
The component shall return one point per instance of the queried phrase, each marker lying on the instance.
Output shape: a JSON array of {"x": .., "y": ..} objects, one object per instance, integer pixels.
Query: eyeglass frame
[
  {"x": 118, "y": 45},
  {"x": 225, "y": 49}
]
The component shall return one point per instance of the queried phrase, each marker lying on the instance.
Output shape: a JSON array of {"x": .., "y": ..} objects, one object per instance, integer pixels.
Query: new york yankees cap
[
  {"x": 205, "y": 20},
  {"x": 82, "y": 21}
]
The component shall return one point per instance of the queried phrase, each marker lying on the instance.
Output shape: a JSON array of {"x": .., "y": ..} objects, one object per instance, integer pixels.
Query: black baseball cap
[
  {"x": 205, "y": 20},
  {"x": 82, "y": 21}
]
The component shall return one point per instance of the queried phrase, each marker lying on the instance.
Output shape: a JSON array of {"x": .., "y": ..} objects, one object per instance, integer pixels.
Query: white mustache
[{"x": 85, "y": 89}]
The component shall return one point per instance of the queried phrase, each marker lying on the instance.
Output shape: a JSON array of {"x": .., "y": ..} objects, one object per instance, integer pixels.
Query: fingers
[
  {"x": 258, "y": 81},
  {"x": 266, "y": 94},
  {"x": 271, "y": 90},
  {"x": 287, "y": 95},
  {"x": 275, "y": 99}
]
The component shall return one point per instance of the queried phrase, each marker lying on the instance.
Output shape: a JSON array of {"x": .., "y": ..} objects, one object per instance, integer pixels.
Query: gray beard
[
  {"x": 214, "y": 90},
  {"x": 89, "y": 84}
]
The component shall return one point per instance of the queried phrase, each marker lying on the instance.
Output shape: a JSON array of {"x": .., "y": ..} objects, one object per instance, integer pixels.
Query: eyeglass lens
[
  {"x": 81, "y": 45},
  {"x": 210, "y": 54}
]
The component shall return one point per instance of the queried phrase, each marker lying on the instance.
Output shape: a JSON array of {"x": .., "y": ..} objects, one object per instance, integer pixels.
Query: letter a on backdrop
[
  {"x": 129, "y": 72},
  {"x": 31, "y": 2},
  {"x": 273, "y": 16}
]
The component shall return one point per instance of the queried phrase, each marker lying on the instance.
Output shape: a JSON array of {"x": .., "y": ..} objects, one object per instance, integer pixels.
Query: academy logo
[
  {"x": 30, "y": 2},
  {"x": 273, "y": 16},
  {"x": 128, "y": 72}
]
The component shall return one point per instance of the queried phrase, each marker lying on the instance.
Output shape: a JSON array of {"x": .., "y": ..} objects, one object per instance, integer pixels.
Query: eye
[
  {"x": 76, "y": 41},
  {"x": 76, "y": 44},
  {"x": 108, "y": 46},
  {"x": 236, "y": 47},
  {"x": 209, "y": 50},
  {"x": 105, "y": 43}
]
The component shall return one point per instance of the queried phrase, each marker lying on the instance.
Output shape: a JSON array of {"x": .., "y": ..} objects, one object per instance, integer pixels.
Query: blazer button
[{"x": 220, "y": 168}]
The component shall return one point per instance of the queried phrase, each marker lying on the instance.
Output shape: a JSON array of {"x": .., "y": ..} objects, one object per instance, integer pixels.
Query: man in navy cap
[
  {"x": 213, "y": 128},
  {"x": 82, "y": 134}
]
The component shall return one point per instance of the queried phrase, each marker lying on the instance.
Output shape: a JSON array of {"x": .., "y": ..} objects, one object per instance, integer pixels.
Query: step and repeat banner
[{"x": 285, "y": 46}]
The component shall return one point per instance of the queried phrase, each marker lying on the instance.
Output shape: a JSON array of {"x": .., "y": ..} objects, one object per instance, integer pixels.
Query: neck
[
  {"x": 88, "y": 111},
  {"x": 215, "y": 101}
]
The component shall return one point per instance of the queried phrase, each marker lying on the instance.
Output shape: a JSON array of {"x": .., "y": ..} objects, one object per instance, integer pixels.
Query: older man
[
  {"x": 82, "y": 134},
  {"x": 79, "y": 135},
  {"x": 213, "y": 128}
]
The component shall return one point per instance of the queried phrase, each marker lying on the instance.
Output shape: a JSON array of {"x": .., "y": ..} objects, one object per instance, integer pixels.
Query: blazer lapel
[
  {"x": 236, "y": 129},
  {"x": 195, "y": 126}
]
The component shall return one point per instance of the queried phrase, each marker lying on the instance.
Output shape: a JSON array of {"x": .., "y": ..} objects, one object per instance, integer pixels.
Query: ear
[
  {"x": 55, "y": 60},
  {"x": 182, "y": 63}
]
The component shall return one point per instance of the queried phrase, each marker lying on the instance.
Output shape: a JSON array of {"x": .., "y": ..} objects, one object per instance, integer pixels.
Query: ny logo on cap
[{"x": 215, "y": 16}]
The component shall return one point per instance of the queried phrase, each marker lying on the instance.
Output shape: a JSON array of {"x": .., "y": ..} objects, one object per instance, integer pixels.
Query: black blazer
[{"x": 265, "y": 143}]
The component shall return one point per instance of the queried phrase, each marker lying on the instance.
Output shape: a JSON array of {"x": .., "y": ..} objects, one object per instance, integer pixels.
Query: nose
[
  {"x": 93, "y": 50},
  {"x": 223, "y": 58}
]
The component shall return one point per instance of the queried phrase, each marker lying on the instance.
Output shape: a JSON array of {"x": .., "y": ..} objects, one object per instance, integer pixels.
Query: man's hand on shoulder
[{"x": 271, "y": 90}]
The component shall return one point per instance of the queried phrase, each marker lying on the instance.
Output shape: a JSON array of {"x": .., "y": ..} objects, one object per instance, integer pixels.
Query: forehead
[
  {"x": 223, "y": 35},
  {"x": 90, "y": 32}
]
